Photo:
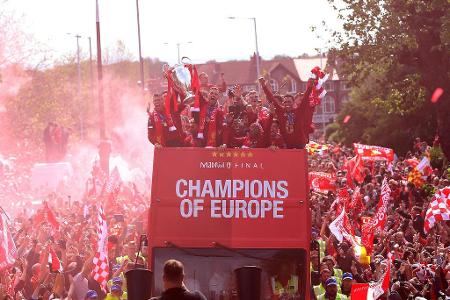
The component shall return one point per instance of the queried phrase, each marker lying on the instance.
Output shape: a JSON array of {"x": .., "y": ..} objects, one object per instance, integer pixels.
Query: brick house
[{"x": 286, "y": 75}]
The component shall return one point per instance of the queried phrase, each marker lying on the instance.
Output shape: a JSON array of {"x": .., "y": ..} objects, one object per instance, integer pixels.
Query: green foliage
[
  {"x": 437, "y": 157},
  {"x": 394, "y": 53},
  {"x": 53, "y": 95}
]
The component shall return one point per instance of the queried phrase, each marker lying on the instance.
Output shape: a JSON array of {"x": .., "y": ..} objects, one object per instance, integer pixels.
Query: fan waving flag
[
  {"x": 101, "y": 268},
  {"x": 439, "y": 209}
]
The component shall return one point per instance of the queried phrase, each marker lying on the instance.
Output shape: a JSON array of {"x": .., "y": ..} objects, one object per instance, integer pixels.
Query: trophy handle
[{"x": 187, "y": 62}]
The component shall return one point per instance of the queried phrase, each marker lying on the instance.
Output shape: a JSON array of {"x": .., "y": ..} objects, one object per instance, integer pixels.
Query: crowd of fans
[
  {"x": 420, "y": 261},
  {"x": 68, "y": 230},
  {"x": 420, "y": 266}
]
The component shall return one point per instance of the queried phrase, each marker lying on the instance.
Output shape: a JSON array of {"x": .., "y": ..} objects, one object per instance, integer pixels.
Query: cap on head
[
  {"x": 116, "y": 288},
  {"x": 91, "y": 294},
  {"x": 117, "y": 280},
  {"x": 347, "y": 276},
  {"x": 330, "y": 281}
]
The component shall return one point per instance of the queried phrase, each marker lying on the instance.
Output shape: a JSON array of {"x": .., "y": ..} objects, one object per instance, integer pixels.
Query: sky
[{"x": 201, "y": 27}]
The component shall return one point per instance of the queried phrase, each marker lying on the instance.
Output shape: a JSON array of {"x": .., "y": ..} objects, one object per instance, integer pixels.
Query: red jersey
[
  {"x": 295, "y": 125},
  {"x": 158, "y": 129},
  {"x": 213, "y": 127}
]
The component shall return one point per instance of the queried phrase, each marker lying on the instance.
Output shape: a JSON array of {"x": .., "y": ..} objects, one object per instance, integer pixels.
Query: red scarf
[
  {"x": 159, "y": 129},
  {"x": 212, "y": 126},
  {"x": 171, "y": 103}
]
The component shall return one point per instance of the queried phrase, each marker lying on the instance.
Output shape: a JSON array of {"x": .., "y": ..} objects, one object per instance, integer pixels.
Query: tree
[{"x": 394, "y": 53}]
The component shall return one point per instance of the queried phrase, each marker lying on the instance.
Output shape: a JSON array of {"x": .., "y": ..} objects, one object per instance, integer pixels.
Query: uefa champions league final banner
[{"x": 238, "y": 197}]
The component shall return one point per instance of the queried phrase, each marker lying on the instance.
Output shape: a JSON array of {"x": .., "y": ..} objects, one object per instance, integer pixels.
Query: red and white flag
[
  {"x": 46, "y": 214},
  {"x": 101, "y": 267},
  {"x": 369, "y": 152},
  {"x": 53, "y": 261},
  {"x": 424, "y": 167},
  {"x": 8, "y": 251},
  {"x": 372, "y": 290},
  {"x": 438, "y": 209},
  {"x": 321, "y": 182},
  {"x": 114, "y": 181},
  {"x": 380, "y": 217}
]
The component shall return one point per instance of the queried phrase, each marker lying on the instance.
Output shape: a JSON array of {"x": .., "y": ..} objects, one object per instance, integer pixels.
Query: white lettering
[
  {"x": 282, "y": 189},
  {"x": 179, "y": 182},
  {"x": 278, "y": 209},
  {"x": 253, "y": 209},
  {"x": 207, "y": 189},
  {"x": 215, "y": 209},
  {"x": 238, "y": 185},
  {"x": 186, "y": 213}
]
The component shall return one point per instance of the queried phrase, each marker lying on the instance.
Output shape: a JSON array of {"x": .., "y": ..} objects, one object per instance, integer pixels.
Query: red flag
[
  {"x": 356, "y": 203},
  {"x": 321, "y": 182},
  {"x": 383, "y": 204},
  {"x": 367, "y": 236},
  {"x": 54, "y": 262},
  {"x": 8, "y": 251},
  {"x": 369, "y": 152},
  {"x": 355, "y": 169},
  {"x": 347, "y": 118},
  {"x": 359, "y": 291},
  {"x": 46, "y": 214}
]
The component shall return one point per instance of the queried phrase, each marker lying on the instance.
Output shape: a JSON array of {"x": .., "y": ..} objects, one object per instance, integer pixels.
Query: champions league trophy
[{"x": 181, "y": 78}]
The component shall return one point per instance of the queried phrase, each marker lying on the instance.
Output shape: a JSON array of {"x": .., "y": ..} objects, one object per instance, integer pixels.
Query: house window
[
  {"x": 274, "y": 85},
  {"x": 293, "y": 88},
  {"x": 328, "y": 105},
  {"x": 329, "y": 86}
]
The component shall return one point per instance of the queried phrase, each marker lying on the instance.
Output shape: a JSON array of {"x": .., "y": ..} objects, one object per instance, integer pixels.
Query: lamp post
[
  {"x": 91, "y": 69},
  {"x": 104, "y": 148},
  {"x": 141, "y": 61},
  {"x": 77, "y": 36},
  {"x": 178, "y": 49},
  {"x": 256, "y": 46}
]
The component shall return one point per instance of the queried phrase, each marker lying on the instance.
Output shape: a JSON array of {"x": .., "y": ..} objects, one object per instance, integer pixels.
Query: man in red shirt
[
  {"x": 162, "y": 130},
  {"x": 295, "y": 123},
  {"x": 211, "y": 119}
]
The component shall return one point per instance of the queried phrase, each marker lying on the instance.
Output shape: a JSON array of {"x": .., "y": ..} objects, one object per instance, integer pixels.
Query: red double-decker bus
[{"x": 218, "y": 210}]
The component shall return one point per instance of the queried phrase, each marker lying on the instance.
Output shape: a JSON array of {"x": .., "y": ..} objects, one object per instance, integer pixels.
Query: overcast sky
[{"x": 283, "y": 26}]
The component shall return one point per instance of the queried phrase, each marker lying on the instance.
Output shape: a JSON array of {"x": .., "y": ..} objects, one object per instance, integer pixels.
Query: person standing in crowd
[
  {"x": 331, "y": 291},
  {"x": 174, "y": 289}
]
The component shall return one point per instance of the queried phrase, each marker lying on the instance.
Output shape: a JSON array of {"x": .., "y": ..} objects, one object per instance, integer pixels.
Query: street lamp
[
  {"x": 141, "y": 61},
  {"x": 178, "y": 49},
  {"x": 256, "y": 45},
  {"x": 104, "y": 146},
  {"x": 77, "y": 36}
]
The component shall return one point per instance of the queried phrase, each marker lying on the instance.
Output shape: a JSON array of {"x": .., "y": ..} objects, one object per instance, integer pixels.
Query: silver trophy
[{"x": 181, "y": 78}]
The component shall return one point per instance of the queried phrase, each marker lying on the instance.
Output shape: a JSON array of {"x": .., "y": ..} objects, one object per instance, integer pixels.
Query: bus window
[{"x": 211, "y": 270}]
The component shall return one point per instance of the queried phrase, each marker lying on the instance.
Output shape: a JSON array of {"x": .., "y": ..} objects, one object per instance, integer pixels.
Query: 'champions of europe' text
[{"x": 232, "y": 198}]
